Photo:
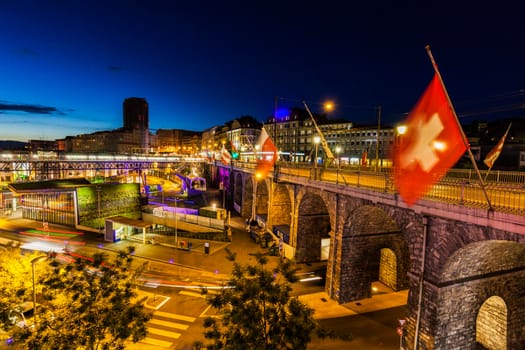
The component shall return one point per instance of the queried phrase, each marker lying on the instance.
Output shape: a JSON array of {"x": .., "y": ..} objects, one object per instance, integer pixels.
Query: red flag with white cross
[
  {"x": 267, "y": 154},
  {"x": 432, "y": 143}
]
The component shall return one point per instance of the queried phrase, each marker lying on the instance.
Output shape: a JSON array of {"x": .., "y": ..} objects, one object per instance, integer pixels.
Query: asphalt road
[{"x": 373, "y": 330}]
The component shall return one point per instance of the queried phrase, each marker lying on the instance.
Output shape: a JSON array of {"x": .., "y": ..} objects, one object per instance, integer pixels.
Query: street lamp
[
  {"x": 33, "y": 262},
  {"x": 338, "y": 152},
  {"x": 176, "y": 238},
  {"x": 317, "y": 140},
  {"x": 400, "y": 131},
  {"x": 98, "y": 208}
]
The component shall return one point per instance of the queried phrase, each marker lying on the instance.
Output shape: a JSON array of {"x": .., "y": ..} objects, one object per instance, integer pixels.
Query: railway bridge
[{"x": 462, "y": 261}]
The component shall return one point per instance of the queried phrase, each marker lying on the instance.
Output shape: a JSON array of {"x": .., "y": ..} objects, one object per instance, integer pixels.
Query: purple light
[
  {"x": 216, "y": 271},
  {"x": 170, "y": 261},
  {"x": 100, "y": 245},
  {"x": 282, "y": 113}
]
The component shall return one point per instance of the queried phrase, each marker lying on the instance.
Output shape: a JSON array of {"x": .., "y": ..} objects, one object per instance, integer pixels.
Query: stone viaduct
[{"x": 464, "y": 267}]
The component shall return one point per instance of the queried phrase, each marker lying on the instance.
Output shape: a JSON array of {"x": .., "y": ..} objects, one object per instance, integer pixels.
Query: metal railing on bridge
[{"x": 505, "y": 189}]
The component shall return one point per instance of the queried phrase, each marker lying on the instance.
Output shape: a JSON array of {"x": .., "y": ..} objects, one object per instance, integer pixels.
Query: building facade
[
  {"x": 294, "y": 135},
  {"x": 136, "y": 118}
]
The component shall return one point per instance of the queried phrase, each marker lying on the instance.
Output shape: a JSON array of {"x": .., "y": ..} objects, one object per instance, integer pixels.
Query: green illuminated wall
[{"x": 115, "y": 199}]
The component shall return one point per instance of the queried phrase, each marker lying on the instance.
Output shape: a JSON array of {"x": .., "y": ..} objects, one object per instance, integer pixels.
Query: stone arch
[
  {"x": 472, "y": 275},
  {"x": 372, "y": 245},
  {"x": 247, "y": 197},
  {"x": 313, "y": 226},
  {"x": 281, "y": 212},
  {"x": 491, "y": 324},
  {"x": 238, "y": 182},
  {"x": 262, "y": 197}
]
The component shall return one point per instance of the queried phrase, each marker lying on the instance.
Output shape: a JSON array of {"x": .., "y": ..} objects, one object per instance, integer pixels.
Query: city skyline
[{"x": 67, "y": 67}]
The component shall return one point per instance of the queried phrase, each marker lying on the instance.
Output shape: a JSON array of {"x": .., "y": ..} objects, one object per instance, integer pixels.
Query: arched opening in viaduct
[
  {"x": 246, "y": 202},
  {"x": 313, "y": 228},
  {"x": 280, "y": 212},
  {"x": 261, "y": 199},
  {"x": 237, "y": 191},
  {"x": 491, "y": 324},
  {"x": 480, "y": 300},
  {"x": 372, "y": 250}
]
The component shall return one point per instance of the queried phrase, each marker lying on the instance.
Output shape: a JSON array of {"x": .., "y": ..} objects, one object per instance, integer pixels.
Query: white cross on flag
[{"x": 432, "y": 144}]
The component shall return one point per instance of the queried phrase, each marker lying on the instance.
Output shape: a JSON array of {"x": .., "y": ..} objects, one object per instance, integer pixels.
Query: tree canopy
[
  {"x": 16, "y": 281},
  {"x": 86, "y": 304},
  {"x": 258, "y": 311}
]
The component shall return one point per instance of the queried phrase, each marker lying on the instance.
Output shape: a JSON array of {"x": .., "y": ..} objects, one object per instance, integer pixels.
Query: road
[{"x": 179, "y": 312}]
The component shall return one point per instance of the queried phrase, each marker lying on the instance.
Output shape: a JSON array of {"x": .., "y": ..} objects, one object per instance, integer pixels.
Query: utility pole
[{"x": 378, "y": 137}]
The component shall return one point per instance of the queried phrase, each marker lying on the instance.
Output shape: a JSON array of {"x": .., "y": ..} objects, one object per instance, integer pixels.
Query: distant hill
[{"x": 13, "y": 145}]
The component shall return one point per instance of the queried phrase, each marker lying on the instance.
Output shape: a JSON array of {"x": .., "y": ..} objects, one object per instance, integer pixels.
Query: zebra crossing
[{"x": 165, "y": 328}]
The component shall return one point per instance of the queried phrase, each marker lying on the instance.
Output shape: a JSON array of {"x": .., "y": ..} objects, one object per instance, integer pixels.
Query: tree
[
  {"x": 91, "y": 305},
  {"x": 16, "y": 284},
  {"x": 258, "y": 311}
]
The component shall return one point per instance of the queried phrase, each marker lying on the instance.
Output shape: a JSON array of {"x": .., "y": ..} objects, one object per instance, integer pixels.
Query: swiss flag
[
  {"x": 495, "y": 152},
  {"x": 226, "y": 157},
  {"x": 432, "y": 144},
  {"x": 266, "y": 154}
]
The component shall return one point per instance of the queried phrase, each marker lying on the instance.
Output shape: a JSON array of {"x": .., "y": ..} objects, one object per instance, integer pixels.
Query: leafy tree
[
  {"x": 16, "y": 284},
  {"x": 257, "y": 310},
  {"x": 93, "y": 305}
]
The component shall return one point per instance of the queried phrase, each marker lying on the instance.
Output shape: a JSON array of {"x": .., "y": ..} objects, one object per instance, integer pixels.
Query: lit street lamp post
[
  {"x": 317, "y": 140},
  {"x": 98, "y": 208},
  {"x": 33, "y": 262},
  {"x": 176, "y": 238},
  {"x": 338, "y": 152}
]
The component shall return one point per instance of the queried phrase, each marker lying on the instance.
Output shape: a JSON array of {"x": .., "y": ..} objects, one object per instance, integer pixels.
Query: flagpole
[
  {"x": 488, "y": 172},
  {"x": 465, "y": 141}
]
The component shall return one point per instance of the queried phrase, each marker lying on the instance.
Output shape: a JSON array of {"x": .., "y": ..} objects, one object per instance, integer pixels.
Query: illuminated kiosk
[{"x": 120, "y": 227}]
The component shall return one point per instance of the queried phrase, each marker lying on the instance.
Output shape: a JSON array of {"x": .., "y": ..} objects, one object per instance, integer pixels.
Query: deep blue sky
[{"x": 66, "y": 66}]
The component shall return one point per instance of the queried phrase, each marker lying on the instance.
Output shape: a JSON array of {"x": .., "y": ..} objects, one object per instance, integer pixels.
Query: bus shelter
[{"x": 120, "y": 227}]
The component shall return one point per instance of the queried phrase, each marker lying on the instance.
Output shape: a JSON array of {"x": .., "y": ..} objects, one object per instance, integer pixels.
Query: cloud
[{"x": 27, "y": 108}]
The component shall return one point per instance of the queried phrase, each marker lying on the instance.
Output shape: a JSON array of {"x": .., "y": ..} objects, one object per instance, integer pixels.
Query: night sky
[{"x": 67, "y": 66}]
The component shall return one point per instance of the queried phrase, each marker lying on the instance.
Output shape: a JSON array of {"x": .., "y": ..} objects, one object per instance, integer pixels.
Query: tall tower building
[
  {"x": 136, "y": 113},
  {"x": 136, "y": 120}
]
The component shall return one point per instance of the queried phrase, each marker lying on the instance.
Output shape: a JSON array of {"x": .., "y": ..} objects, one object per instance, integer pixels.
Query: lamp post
[
  {"x": 400, "y": 131},
  {"x": 176, "y": 240},
  {"x": 338, "y": 152},
  {"x": 254, "y": 202},
  {"x": 33, "y": 262},
  {"x": 317, "y": 140},
  {"x": 98, "y": 208},
  {"x": 378, "y": 138}
]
